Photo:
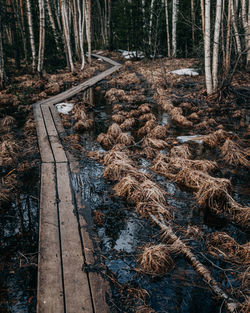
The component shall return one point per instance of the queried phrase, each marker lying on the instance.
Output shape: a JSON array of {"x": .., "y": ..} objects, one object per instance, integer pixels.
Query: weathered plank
[
  {"x": 56, "y": 145},
  {"x": 50, "y": 290},
  {"x": 43, "y": 141},
  {"x": 108, "y": 60},
  {"x": 76, "y": 284},
  {"x": 99, "y": 287}
]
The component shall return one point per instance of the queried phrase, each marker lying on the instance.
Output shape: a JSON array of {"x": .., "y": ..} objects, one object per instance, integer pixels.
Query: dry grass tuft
[
  {"x": 167, "y": 105},
  {"x": 149, "y": 191},
  {"x": 154, "y": 143},
  {"x": 7, "y": 122},
  {"x": 9, "y": 151},
  {"x": 144, "y": 108},
  {"x": 177, "y": 117},
  {"x": 128, "y": 124},
  {"x": 125, "y": 138},
  {"x": 126, "y": 187},
  {"x": 221, "y": 244},
  {"x": 119, "y": 147},
  {"x": 149, "y": 153},
  {"x": 105, "y": 141},
  {"x": 118, "y": 118},
  {"x": 159, "y": 132},
  {"x": 134, "y": 113},
  {"x": 118, "y": 169},
  {"x": 181, "y": 151},
  {"x": 144, "y": 309},
  {"x": 233, "y": 154},
  {"x": 83, "y": 125},
  {"x": 114, "y": 155},
  {"x": 117, "y": 107},
  {"x": 114, "y": 130},
  {"x": 216, "y": 138},
  {"x": 150, "y": 207},
  {"x": 147, "y": 128},
  {"x": 155, "y": 260},
  {"x": 30, "y": 127},
  {"x": 147, "y": 117}
]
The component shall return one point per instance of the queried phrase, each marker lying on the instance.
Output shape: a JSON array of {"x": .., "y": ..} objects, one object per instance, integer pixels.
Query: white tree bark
[
  {"x": 31, "y": 35},
  {"x": 40, "y": 61},
  {"x": 66, "y": 34},
  {"x": 248, "y": 36},
  {"x": 151, "y": 23},
  {"x": 245, "y": 22},
  {"x": 235, "y": 27},
  {"x": 88, "y": 28},
  {"x": 2, "y": 72},
  {"x": 165, "y": 3},
  {"x": 216, "y": 44},
  {"x": 174, "y": 26},
  {"x": 207, "y": 52},
  {"x": 81, "y": 30},
  {"x": 53, "y": 24}
]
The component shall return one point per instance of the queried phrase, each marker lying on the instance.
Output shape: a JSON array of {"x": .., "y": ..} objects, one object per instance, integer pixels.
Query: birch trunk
[
  {"x": 245, "y": 22},
  {"x": 228, "y": 40},
  {"x": 165, "y": 2},
  {"x": 193, "y": 20},
  {"x": 174, "y": 27},
  {"x": 53, "y": 24},
  {"x": 66, "y": 35},
  {"x": 81, "y": 30},
  {"x": 203, "y": 18},
  {"x": 216, "y": 44},
  {"x": 2, "y": 72},
  {"x": 31, "y": 35},
  {"x": 41, "y": 37},
  {"x": 88, "y": 28},
  {"x": 151, "y": 23},
  {"x": 248, "y": 36},
  {"x": 207, "y": 52},
  {"x": 76, "y": 29},
  {"x": 235, "y": 27}
]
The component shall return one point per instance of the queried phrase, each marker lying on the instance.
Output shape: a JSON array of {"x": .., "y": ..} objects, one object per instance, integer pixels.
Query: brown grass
[
  {"x": 83, "y": 125},
  {"x": 117, "y": 107},
  {"x": 159, "y": 132},
  {"x": 149, "y": 191},
  {"x": 113, "y": 155},
  {"x": 125, "y": 138},
  {"x": 9, "y": 151},
  {"x": 144, "y": 108},
  {"x": 105, "y": 141},
  {"x": 181, "y": 151},
  {"x": 114, "y": 130},
  {"x": 176, "y": 115},
  {"x": 96, "y": 155},
  {"x": 154, "y": 143},
  {"x": 126, "y": 187},
  {"x": 7, "y": 122},
  {"x": 216, "y": 138},
  {"x": 221, "y": 244},
  {"x": 119, "y": 146},
  {"x": 80, "y": 114},
  {"x": 30, "y": 127},
  {"x": 118, "y": 118},
  {"x": 147, "y": 117},
  {"x": 134, "y": 113},
  {"x": 233, "y": 154},
  {"x": 155, "y": 260},
  {"x": 167, "y": 105},
  {"x": 149, "y": 153},
  {"x": 144, "y": 309},
  {"x": 118, "y": 169},
  {"x": 128, "y": 124},
  {"x": 147, "y": 128},
  {"x": 150, "y": 207}
]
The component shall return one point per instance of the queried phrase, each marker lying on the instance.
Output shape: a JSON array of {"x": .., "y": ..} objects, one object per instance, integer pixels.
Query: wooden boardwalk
[{"x": 65, "y": 248}]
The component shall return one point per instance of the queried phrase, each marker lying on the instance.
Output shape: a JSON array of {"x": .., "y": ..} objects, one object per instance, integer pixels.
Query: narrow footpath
[{"x": 65, "y": 248}]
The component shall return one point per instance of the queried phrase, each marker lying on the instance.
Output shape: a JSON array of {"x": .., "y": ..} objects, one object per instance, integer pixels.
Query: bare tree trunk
[
  {"x": 228, "y": 40},
  {"x": 76, "y": 29},
  {"x": 104, "y": 39},
  {"x": 216, "y": 43},
  {"x": 151, "y": 23},
  {"x": 222, "y": 32},
  {"x": 235, "y": 27},
  {"x": 81, "y": 30},
  {"x": 41, "y": 37},
  {"x": 248, "y": 36},
  {"x": 2, "y": 72},
  {"x": 53, "y": 24},
  {"x": 182, "y": 248},
  {"x": 193, "y": 20},
  {"x": 88, "y": 28},
  {"x": 207, "y": 53},
  {"x": 20, "y": 19},
  {"x": 165, "y": 2},
  {"x": 66, "y": 34},
  {"x": 246, "y": 22},
  {"x": 174, "y": 27},
  {"x": 31, "y": 35},
  {"x": 203, "y": 17}
]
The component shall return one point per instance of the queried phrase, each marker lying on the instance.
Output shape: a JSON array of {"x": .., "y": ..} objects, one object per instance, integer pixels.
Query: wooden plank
[
  {"x": 99, "y": 287},
  {"x": 77, "y": 290},
  {"x": 56, "y": 145},
  {"x": 57, "y": 119},
  {"x": 50, "y": 290},
  {"x": 108, "y": 60},
  {"x": 43, "y": 141}
]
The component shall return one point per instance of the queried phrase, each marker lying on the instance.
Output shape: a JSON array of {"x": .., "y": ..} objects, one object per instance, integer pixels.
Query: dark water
[
  {"x": 123, "y": 233},
  {"x": 18, "y": 252}
]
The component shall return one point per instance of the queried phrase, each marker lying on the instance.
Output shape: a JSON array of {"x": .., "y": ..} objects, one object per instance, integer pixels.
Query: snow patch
[
  {"x": 64, "y": 107},
  {"x": 194, "y": 138},
  {"x": 132, "y": 54},
  {"x": 185, "y": 71}
]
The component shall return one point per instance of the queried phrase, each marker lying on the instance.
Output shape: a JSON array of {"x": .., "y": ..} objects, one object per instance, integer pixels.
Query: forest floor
[{"x": 134, "y": 163}]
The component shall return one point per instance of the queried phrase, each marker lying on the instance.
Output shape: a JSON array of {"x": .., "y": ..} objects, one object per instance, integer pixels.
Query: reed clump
[{"x": 155, "y": 260}]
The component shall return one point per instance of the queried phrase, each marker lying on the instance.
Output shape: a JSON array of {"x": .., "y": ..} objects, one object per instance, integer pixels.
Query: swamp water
[{"x": 122, "y": 234}]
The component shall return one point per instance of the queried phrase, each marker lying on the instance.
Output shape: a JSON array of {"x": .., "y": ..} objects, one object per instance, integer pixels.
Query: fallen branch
[{"x": 197, "y": 265}]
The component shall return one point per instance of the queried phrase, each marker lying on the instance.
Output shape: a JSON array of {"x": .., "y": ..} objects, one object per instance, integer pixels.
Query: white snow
[
  {"x": 194, "y": 138},
  {"x": 132, "y": 54},
  {"x": 185, "y": 71},
  {"x": 64, "y": 107}
]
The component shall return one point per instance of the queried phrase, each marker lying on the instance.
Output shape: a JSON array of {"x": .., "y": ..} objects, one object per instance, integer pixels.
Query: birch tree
[
  {"x": 174, "y": 26},
  {"x": 88, "y": 27},
  {"x": 40, "y": 61},
  {"x": 216, "y": 43},
  {"x": 165, "y": 3},
  {"x": 207, "y": 53},
  {"x": 2, "y": 73}
]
